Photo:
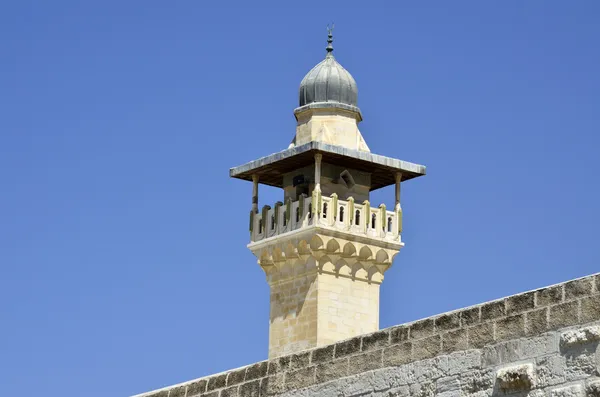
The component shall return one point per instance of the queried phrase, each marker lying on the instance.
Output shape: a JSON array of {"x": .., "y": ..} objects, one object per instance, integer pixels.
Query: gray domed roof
[{"x": 328, "y": 82}]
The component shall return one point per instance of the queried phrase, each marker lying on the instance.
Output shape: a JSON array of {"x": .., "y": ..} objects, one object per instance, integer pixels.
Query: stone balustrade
[{"x": 330, "y": 212}]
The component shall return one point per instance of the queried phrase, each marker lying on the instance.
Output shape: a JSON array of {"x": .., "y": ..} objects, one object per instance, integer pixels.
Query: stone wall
[{"x": 542, "y": 343}]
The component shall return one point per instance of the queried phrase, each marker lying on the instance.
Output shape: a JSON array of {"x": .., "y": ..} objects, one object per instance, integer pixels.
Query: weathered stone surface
[
  {"x": 563, "y": 315},
  {"x": 216, "y": 382},
  {"x": 592, "y": 388},
  {"x": 229, "y": 392},
  {"x": 536, "y": 321},
  {"x": 399, "y": 334},
  {"x": 422, "y": 329},
  {"x": 278, "y": 364},
  {"x": 299, "y": 360},
  {"x": 160, "y": 393},
  {"x": 323, "y": 354},
  {"x": 580, "y": 363},
  {"x": 427, "y": 348},
  {"x": 493, "y": 310},
  {"x": 580, "y": 336},
  {"x": 590, "y": 309},
  {"x": 366, "y": 362},
  {"x": 447, "y": 321},
  {"x": 549, "y": 296},
  {"x": 178, "y": 391},
  {"x": 426, "y": 389},
  {"x": 481, "y": 335},
  {"x": 462, "y": 361},
  {"x": 347, "y": 347},
  {"x": 510, "y": 327},
  {"x": 446, "y": 384},
  {"x": 578, "y": 288},
  {"x": 196, "y": 388},
  {"x": 256, "y": 371},
  {"x": 250, "y": 389},
  {"x": 272, "y": 385},
  {"x": 376, "y": 340},
  {"x": 397, "y": 354},
  {"x": 550, "y": 371},
  {"x": 235, "y": 377},
  {"x": 476, "y": 381},
  {"x": 515, "y": 378},
  {"x": 299, "y": 379},
  {"x": 569, "y": 391},
  {"x": 454, "y": 340},
  {"x": 520, "y": 303},
  {"x": 332, "y": 370},
  {"x": 470, "y": 316}
]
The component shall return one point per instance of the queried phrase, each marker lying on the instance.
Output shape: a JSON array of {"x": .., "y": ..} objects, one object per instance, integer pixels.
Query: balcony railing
[{"x": 329, "y": 212}]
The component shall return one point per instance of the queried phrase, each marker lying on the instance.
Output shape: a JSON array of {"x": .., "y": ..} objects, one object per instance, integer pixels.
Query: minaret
[{"x": 325, "y": 247}]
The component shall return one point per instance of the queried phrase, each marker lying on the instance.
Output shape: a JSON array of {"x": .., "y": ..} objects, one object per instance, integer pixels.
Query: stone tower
[{"x": 325, "y": 247}]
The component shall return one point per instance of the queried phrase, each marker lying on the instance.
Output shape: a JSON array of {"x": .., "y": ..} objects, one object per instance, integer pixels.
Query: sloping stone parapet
[{"x": 469, "y": 343}]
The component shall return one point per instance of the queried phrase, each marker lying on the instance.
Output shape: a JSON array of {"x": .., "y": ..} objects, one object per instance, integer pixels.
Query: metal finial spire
[{"x": 330, "y": 40}]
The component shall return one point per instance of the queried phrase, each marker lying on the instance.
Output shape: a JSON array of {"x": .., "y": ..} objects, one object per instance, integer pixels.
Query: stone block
[
  {"x": 397, "y": 354},
  {"x": 249, "y": 389},
  {"x": 216, "y": 382},
  {"x": 580, "y": 363},
  {"x": 510, "y": 327},
  {"x": 597, "y": 278},
  {"x": 563, "y": 315},
  {"x": 323, "y": 354},
  {"x": 426, "y": 389},
  {"x": 355, "y": 386},
  {"x": 160, "y": 393},
  {"x": 178, "y": 391},
  {"x": 578, "y": 288},
  {"x": 568, "y": 391},
  {"x": 481, "y": 335},
  {"x": 447, "y": 384},
  {"x": 536, "y": 321},
  {"x": 446, "y": 322},
  {"x": 470, "y": 316},
  {"x": 590, "y": 309},
  {"x": 278, "y": 364},
  {"x": 516, "y": 378},
  {"x": 399, "y": 334},
  {"x": 258, "y": 370},
  {"x": 236, "y": 377},
  {"x": 376, "y": 340},
  {"x": 464, "y": 361},
  {"x": 365, "y": 362},
  {"x": 492, "y": 310},
  {"x": 332, "y": 370},
  {"x": 347, "y": 347},
  {"x": 520, "y": 303},
  {"x": 592, "y": 388},
  {"x": 422, "y": 329},
  {"x": 299, "y": 360},
  {"x": 212, "y": 394},
  {"x": 299, "y": 379},
  {"x": 550, "y": 370},
  {"x": 196, "y": 388},
  {"x": 229, "y": 392},
  {"x": 272, "y": 385},
  {"x": 400, "y": 391},
  {"x": 549, "y": 296},
  {"x": 454, "y": 340},
  {"x": 427, "y": 347},
  {"x": 476, "y": 381},
  {"x": 580, "y": 336}
]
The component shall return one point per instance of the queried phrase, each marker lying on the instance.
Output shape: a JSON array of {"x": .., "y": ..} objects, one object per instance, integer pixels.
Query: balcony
[{"x": 329, "y": 213}]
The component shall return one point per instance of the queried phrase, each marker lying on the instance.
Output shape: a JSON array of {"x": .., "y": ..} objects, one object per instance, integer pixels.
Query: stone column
[
  {"x": 318, "y": 157},
  {"x": 398, "y": 179},
  {"x": 255, "y": 193}
]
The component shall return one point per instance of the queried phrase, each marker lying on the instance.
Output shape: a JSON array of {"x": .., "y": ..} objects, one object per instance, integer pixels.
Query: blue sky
[{"x": 123, "y": 240}]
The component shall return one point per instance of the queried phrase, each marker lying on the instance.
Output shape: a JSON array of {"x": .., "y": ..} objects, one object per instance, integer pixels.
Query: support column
[
  {"x": 255, "y": 193},
  {"x": 398, "y": 180},
  {"x": 318, "y": 157}
]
